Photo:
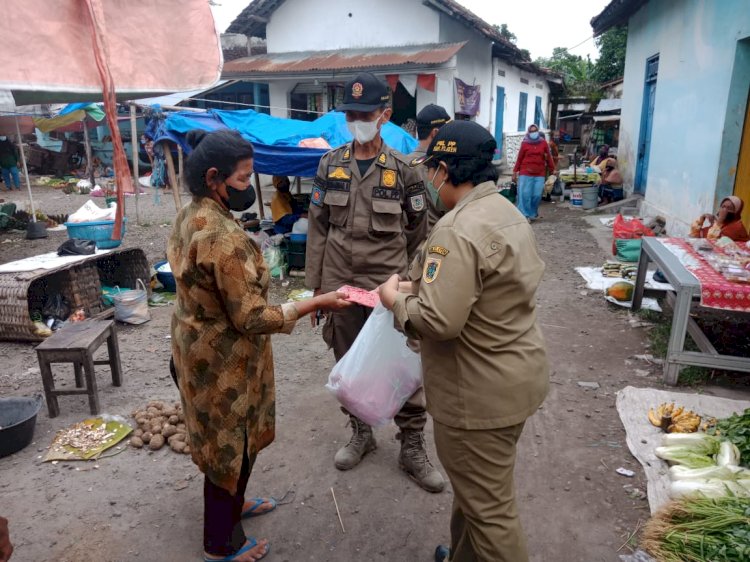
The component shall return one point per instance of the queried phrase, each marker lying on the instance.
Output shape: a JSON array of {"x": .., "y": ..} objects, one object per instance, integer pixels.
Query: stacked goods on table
[
  {"x": 160, "y": 424},
  {"x": 709, "y": 517},
  {"x": 729, "y": 258}
]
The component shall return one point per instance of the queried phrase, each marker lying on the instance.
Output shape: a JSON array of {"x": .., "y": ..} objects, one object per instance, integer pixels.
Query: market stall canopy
[
  {"x": 276, "y": 140},
  {"x": 157, "y": 47}
]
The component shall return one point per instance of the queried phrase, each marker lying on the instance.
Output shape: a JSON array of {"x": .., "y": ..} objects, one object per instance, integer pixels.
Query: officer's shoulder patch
[
  {"x": 317, "y": 196},
  {"x": 431, "y": 269},
  {"x": 417, "y": 202},
  {"x": 438, "y": 250}
]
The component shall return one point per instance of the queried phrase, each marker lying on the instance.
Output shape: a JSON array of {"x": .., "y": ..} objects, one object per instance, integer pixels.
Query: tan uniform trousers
[
  {"x": 484, "y": 525},
  {"x": 340, "y": 331}
]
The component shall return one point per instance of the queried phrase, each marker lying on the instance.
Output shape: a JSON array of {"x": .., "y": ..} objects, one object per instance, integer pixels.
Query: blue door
[
  {"x": 499, "y": 109},
  {"x": 523, "y": 100},
  {"x": 647, "y": 119}
]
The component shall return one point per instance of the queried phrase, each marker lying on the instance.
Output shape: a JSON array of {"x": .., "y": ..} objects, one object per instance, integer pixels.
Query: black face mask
[{"x": 239, "y": 200}]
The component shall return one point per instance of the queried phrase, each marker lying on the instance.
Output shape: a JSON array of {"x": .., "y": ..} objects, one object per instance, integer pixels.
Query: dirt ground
[{"x": 140, "y": 505}]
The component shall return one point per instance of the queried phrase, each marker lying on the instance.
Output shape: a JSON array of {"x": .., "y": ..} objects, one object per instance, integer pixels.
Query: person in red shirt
[{"x": 534, "y": 159}]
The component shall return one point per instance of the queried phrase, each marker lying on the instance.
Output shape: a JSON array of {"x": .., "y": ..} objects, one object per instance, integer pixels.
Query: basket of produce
[{"x": 98, "y": 231}]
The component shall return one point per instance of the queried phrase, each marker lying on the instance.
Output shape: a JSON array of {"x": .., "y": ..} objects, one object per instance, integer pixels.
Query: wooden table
[
  {"x": 686, "y": 287},
  {"x": 76, "y": 343}
]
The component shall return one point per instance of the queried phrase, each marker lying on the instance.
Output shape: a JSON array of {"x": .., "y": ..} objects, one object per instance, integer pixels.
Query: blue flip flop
[
  {"x": 252, "y": 543},
  {"x": 257, "y": 502}
]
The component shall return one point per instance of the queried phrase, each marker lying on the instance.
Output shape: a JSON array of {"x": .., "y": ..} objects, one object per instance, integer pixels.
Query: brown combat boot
[
  {"x": 361, "y": 443},
  {"x": 413, "y": 460}
]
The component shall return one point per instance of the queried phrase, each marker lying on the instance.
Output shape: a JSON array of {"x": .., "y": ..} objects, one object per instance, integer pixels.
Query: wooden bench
[{"x": 76, "y": 343}]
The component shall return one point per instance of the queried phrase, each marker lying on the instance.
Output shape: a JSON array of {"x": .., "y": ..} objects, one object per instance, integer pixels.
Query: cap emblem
[{"x": 357, "y": 90}]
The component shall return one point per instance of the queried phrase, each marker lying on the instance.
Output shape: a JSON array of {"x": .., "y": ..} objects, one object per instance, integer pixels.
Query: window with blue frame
[
  {"x": 538, "y": 110},
  {"x": 522, "y": 103}
]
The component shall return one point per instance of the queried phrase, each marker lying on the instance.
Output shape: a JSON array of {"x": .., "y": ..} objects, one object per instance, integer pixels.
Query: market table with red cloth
[{"x": 690, "y": 275}]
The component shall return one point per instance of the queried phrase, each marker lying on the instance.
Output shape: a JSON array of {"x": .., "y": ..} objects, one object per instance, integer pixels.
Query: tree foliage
[
  {"x": 507, "y": 34},
  {"x": 577, "y": 72},
  {"x": 611, "y": 63}
]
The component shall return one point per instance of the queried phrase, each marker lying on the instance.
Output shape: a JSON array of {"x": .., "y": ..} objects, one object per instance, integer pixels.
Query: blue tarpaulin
[{"x": 275, "y": 139}]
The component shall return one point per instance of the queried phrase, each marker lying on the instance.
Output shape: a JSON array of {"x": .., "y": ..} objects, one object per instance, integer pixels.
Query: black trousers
[{"x": 222, "y": 513}]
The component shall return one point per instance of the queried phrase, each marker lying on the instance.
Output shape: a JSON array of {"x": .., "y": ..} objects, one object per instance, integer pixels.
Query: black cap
[
  {"x": 433, "y": 115},
  {"x": 459, "y": 139},
  {"x": 366, "y": 92}
]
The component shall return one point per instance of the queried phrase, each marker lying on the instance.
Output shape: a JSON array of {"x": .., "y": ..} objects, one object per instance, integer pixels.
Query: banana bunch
[{"x": 674, "y": 419}]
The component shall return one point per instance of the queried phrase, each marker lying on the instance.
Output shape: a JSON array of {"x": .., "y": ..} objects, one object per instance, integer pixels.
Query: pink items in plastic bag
[{"x": 378, "y": 374}]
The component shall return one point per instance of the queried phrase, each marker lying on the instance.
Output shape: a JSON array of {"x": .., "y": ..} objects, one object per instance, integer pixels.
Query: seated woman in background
[
  {"x": 602, "y": 156},
  {"x": 284, "y": 209},
  {"x": 727, "y": 222},
  {"x": 610, "y": 188}
]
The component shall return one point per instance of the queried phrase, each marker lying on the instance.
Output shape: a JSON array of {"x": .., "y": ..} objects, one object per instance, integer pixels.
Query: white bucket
[
  {"x": 590, "y": 199},
  {"x": 576, "y": 198}
]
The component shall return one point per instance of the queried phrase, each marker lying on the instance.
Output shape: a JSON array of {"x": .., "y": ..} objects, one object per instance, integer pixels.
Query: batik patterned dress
[{"x": 220, "y": 342}]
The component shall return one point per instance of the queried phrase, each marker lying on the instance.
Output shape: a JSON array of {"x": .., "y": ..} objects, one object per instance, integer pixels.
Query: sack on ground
[
  {"x": 378, "y": 374},
  {"x": 131, "y": 306},
  {"x": 632, "y": 229}
]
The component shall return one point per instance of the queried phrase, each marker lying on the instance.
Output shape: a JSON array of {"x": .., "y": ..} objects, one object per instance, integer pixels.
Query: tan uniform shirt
[
  {"x": 433, "y": 213},
  {"x": 474, "y": 310},
  {"x": 363, "y": 229}
]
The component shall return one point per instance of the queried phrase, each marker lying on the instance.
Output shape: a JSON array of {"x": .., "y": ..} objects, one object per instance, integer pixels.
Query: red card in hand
[{"x": 361, "y": 296}]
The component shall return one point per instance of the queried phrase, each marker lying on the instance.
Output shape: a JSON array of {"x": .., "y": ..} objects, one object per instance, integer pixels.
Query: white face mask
[
  {"x": 432, "y": 181},
  {"x": 364, "y": 131},
  {"x": 3, "y": 138}
]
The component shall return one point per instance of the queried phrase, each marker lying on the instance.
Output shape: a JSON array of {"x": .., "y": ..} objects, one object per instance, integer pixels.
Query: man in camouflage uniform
[{"x": 367, "y": 219}]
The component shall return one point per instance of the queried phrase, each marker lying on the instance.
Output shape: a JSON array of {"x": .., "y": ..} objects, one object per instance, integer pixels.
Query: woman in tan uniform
[
  {"x": 220, "y": 342},
  {"x": 471, "y": 300}
]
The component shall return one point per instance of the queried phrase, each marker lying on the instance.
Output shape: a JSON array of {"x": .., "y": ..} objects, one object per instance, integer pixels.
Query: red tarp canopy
[{"x": 155, "y": 47}]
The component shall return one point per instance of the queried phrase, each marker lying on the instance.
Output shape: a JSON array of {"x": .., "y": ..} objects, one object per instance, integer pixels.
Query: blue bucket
[{"x": 98, "y": 231}]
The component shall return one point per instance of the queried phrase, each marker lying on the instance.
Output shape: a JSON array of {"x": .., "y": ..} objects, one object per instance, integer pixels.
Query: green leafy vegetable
[
  {"x": 699, "y": 530},
  {"x": 736, "y": 429}
]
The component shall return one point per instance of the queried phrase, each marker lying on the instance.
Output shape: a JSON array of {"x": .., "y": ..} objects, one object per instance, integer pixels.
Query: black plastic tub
[{"x": 17, "y": 421}]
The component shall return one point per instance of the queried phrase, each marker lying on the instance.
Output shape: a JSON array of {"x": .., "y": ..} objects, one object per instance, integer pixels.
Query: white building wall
[
  {"x": 322, "y": 25},
  {"x": 278, "y": 94},
  {"x": 513, "y": 88},
  {"x": 473, "y": 62}
]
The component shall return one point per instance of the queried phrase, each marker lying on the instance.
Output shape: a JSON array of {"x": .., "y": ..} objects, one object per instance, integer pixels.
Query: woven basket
[{"x": 80, "y": 283}]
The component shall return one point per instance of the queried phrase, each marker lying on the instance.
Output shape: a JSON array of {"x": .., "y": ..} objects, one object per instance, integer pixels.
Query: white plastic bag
[
  {"x": 91, "y": 212},
  {"x": 378, "y": 374},
  {"x": 131, "y": 306}
]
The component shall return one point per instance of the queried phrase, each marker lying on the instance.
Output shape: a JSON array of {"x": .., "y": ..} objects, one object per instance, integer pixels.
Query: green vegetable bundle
[
  {"x": 736, "y": 429},
  {"x": 700, "y": 530}
]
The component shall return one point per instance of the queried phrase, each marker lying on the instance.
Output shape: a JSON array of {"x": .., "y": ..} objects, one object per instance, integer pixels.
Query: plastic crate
[{"x": 98, "y": 231}]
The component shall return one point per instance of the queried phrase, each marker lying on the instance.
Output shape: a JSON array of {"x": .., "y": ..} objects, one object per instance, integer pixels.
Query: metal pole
[
  {"x": 134, "y": 150},
  {"x": 25, "y": 170}
]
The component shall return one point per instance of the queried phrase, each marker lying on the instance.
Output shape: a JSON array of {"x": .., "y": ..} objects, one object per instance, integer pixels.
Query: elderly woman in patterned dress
[{"x": 220, "y": 338}]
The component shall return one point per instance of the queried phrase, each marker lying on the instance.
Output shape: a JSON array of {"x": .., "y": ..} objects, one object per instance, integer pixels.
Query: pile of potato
[{"x": 159, "y": 424}]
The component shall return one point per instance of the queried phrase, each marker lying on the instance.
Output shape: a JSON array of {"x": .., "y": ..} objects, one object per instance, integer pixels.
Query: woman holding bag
[
  {"x": 220, "y": 338},
  {"x": 471, "y": 301}
]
